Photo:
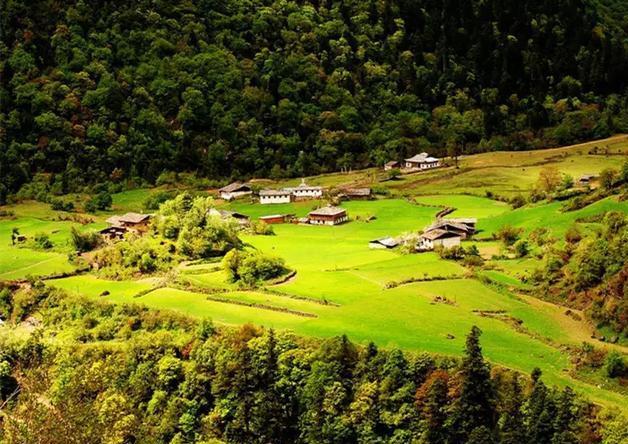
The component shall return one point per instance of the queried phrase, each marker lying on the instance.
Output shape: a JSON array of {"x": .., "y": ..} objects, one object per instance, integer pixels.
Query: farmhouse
[
  {"x": 357, "y": 193},
  {"x": 463, "y": 230},
  {"x": 275, "y": 196},
  {"x": 305, "y": 191},
  {"x": 235, "y": 190},
  {"x": 274, "y": 218},
  {"x": 438, "y": 237},
  {"x": 391, "y": 165},
  {"x": 586, "y": 179},
  {"x": 328, "y": 215},
  {"x": 136, "y": 222},
  {"x": 241, "y": 219},
  {"x": 113, "y": 233},
  {"x": 383, "y": 243},
  {"x": 469, "y": 222},
  {"x": 422, "y": 162}
]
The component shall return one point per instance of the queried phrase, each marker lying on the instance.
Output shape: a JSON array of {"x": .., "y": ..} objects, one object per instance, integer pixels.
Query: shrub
[
  {"x": 394, "y": 173},
  {"x": 83, "y": 242},
  {"x": 251, "y": 268},
  {"x": 262, "y": 228},
  {"x": 508, "y": 234},
  {"x": 607, "y": 178},
  {"x": 42, "y": 241},
  {"x": 61, "y": 205},
  {"x": 518, "y": 201},
  {"x": 521, "y": 248},
  {"x": 153, "y": 201},
  {"x": 573, "y": 235},
  {"x": 456, "y": 252},
  {"x": 615, "y": 365},
  {"x": 101, "y": 201}
]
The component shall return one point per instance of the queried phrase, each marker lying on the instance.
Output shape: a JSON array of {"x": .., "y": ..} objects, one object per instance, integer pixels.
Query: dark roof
[
  {"x": 447, "y": 225},
  {"x": 437, "y": 233},
  {"x": 235, "y": 186},
  {"x": 388, "y": 242},
  {"x": 113, "y": 229},
  {"x": 328, "y": 211}
]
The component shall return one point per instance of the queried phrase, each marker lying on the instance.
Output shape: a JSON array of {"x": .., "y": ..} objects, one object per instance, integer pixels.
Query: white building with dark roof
[{"x": 421, "y": 162}]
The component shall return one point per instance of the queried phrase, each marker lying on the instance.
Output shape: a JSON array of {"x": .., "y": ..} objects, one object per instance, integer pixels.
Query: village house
[
  {"x": 274, "y": 218},
  {"x": 305, "y": 191},
  {"x": 113, "y": 233},
  {"x": 586, "y": 179},
  {"x": 438, "y": 237},
  {"x": 136, "y": 222},
  {"x": 357, "y": 193},
  {"x": 275, "y": 196},
  {"x": 391, "y": 165},
  {"x": 235, "y": 190},
  {"x": 421, "y": 162},
  {"x": 383, "y": 243},
  {"x": 328, "y": 215},
  {"x": 241, "y": 219},
  {"x": 463, "y": 230},
  {"x": 469, "y": 222}
]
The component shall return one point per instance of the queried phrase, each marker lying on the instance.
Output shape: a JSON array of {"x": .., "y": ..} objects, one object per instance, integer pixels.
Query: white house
[
  {"x": 235, "y": 190},
  {"x": 305, "y": 191},
  {"x": 421, "y": 162},
  {"x": 275, "y": 196},
  {"x": 438, "y": 237}
]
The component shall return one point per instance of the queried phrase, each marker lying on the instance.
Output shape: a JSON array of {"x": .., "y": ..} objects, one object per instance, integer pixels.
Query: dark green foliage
[
  {"x": 615, "y": 365},
  {"x": 61, "y": 205},
  {"x": 86, "y": 241},
  {"x": 508, "y": 234},
  {"x": 96, "y": 92},
  {"x": 42, "y": 241},
  {"x": 252, "y": 267},
  {"x": 100, "y": 202},
  {"x": 176, "y": 380}
]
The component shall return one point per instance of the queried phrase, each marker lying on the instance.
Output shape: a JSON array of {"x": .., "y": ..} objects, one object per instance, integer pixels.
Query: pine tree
[
  {"x": 476, "y": 405},
  {"x": 540, "y": 412},
  {"x": 435, "y": 413},
  {"x": 512, "y": 428}
]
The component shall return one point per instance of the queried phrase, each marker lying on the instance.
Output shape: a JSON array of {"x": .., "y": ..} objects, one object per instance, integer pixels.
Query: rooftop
[
  {"x": 128, "y": 218},
  {"x": 235, "y": 186},
  {"x": 422, "y": 157},
  {"x": 327, "y": 211},
  {"x": 274, "y": 193},
  {"x": 437, "y": 233},
  {"x": 358, "y": 191},
  {"x": 386, "y": 241}
]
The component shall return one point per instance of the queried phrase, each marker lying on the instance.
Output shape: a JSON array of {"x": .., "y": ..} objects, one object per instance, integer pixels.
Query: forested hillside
[
  {"x": 99, "y": 373},
  {"x": 106, "y": 90}
]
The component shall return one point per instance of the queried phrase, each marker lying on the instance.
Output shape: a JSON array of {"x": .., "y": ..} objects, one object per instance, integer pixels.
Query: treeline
[
  {"x": 102, "y": 373},
  {"x": 107, "y": 91}
]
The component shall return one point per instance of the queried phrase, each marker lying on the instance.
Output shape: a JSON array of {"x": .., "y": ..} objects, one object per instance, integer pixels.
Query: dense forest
[
  {"x": 106, "y": 91},
  {"x": 91, "y": 371}
]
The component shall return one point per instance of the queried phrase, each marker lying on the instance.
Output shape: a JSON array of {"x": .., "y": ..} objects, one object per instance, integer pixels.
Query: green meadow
[{"x": 342, "y": 286}]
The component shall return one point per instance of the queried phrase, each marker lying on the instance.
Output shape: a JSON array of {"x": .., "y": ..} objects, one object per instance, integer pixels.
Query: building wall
[
  {"x": 328, "y": 220},
  {"x": 233, "y": 195},
  {"x": 274, "y": 199},
  {"x": 448, "y": 242}
]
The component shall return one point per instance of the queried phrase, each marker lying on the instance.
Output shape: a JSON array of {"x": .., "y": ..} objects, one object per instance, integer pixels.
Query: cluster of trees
[
  {"x": 591, "y": 271},
  {"x": 97, "y": 92},
  {"x": 179, "y": 381},
  {"x": 252, "y": 267}
]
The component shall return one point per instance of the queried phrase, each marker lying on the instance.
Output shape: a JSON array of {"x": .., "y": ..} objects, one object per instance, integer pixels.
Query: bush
[
  {"x": 251, "y": 268},
  {"x": 521, "y": 248},
  {"x": 101, "y": 201},
  {"x": 83, "y": 242},
  {"x": 61, "y": 205},
  {"x": 153, "y": 201},
  {"x": 42, "y": 241},
  {"x": 508, "y": 234},
  {"x": 262, "y": 228},
  {"x": 517, "y": 201},
  {"x": 456, "y": 252},
  {"x": 615, "y": 365},
  {"x": 394, "y": 173}
]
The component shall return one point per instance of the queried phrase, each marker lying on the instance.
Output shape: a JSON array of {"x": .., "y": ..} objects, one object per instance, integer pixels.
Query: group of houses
[
  {"x": 290, "y": 194},
  {"x": 446, "y": 233},
  {"x": 418, "y": 162}
]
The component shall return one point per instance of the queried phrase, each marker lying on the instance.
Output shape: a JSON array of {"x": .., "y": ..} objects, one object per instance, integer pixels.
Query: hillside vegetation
[{"x": 104, "y": 91}]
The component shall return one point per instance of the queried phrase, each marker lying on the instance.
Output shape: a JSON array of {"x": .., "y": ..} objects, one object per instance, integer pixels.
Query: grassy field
[{"x": 342, "y": 286}]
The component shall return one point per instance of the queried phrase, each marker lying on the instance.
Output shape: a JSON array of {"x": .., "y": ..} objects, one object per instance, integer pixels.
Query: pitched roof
[
  {"x": 421, "y": 158},
  {"x": 134, "y": 218},
  {"x": 227, "y": 213},
  {"x": 357, "y": 191},
  {"x": 437, "y": 233},
  {"x": 275, "y": 192},
  {"x": 448, "y": 224},
  {"x": 385, "y": 241},
  {"x": 392, "y": 163},
  {"x": 327, "y": 211},
  {"x": 462, "y": 220},
  {"x": 235, "y": 186},
  {"x": 114, "y": 220},
  {"x": 272, "y": 216}
]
